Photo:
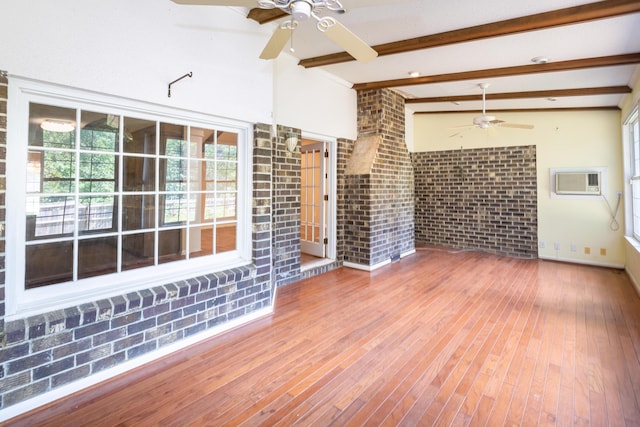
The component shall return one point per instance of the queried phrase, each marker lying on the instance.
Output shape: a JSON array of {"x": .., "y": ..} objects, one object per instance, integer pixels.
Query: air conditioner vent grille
[{"x": 578, "y": 183}]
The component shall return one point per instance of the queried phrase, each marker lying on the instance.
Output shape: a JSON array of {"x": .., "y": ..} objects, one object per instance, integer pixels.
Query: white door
[{"x": 313, "y": 199}]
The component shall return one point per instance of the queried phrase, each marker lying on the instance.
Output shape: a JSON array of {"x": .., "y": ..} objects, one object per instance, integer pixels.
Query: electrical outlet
[
  {"x": 603, "y": 251},
  {"x": 587, "y": 250},
  {"x": 556, "y": 246},
  {"x": 542, "y": 245},
  {"x": 573, "y": 247}
]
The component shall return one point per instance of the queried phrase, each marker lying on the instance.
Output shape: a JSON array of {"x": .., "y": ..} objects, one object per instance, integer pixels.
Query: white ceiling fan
[
  {"x": 486, "y": 121},
  {"x": 302, "y": 10}
]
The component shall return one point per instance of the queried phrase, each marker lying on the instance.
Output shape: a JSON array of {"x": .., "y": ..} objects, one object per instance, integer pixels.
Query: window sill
[{"x": 635, "y": 243}]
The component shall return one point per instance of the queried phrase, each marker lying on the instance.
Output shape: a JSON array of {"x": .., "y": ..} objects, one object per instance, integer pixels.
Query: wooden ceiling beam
[
  {"x": 575, "y": 64},
  {"x": 525, "y": 110},
  {"x": 262, "y": 16},
  {"x": 559, "y": 93},
  {"x": 554, "y": 18}
]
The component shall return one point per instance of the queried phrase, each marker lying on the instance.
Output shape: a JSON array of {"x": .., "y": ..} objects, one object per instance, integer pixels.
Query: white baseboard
[
  {"x": 45, "y": 398},
  {"x": 634, "y": 281},
  {"x": 584, "y": 262},
  {"x": 376, "y": 266}
]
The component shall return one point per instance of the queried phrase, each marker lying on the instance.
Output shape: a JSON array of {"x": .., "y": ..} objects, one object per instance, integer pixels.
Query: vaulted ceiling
[{"x": 592, "y": 51}]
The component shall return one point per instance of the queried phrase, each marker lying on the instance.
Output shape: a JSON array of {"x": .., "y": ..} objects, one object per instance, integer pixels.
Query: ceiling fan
[
  {"x": 486, "y": 121},
  {"x": 300, "y": 11}
]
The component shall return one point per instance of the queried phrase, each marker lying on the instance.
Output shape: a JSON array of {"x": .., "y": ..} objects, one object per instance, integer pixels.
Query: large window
[
  {"x": 633, "y": 126},
  {"x": 111, "y": 196}
]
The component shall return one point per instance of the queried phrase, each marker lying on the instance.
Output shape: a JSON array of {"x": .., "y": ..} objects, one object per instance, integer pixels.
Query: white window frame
[
  {"x": 21, "y": 302},
  {"x": 630, "y": 175}
]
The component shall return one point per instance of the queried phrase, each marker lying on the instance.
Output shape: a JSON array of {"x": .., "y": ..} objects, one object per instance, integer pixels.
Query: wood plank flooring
[{"x": 437, "y": 338}]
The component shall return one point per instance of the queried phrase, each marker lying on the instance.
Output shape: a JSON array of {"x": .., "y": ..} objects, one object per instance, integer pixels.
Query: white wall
[
  {"x": 579, "y": 139},
  {"x": 314, "y": 101},
  {"x": 135, "y": 48}
]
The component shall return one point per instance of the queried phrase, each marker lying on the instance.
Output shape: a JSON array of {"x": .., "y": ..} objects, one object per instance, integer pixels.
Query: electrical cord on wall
[{"x": 613, "y": 225}]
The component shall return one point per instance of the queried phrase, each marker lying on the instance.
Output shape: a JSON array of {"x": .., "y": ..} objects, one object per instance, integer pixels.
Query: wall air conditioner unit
[{"x": 585, "y": 183}]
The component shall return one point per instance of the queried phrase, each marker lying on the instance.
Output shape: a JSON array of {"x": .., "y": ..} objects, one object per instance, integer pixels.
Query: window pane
[
  {"x": 635, "y": 189},
  {"x": 196, "y": 175},
  {"x": 171, "y": 245},
  {"x": 139, "y": 136},
  {"x": 138, "y": 212},
  {"x": 48, "y": 263},
  {"x": 173, "y": 140},
  {"x": 173, "y": 175},
  {"x": 200, "y": 241},
  {"x": 226, "y": 171},
  {"x": 202, "y": 143},
  {"x": 34, "y": 172},
  {"x": 96, "y": 214},
  {"x": 98, "y": 173},
  {"x": 52, "y": 127},
  {"x": 137, "y": 250},
  {"x": 174, "y": 208},
  {"x": 227, "y": 148},
  {"x": 97, "y": 256},
  {"x": 225, "y": 238},
  {"x": 209, "y": 206},
  {"x": 58, "y": 172},
  {"x": 49, "y": 217},
  {"x": 139, "y": 174},
  {"x": 226, "y": 206},
  {"x": 100, "y": 132}
]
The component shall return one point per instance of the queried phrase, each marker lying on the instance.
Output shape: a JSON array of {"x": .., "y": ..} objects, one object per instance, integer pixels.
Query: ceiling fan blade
[
  {"x": 515, "y": 125},
  {"x": 462, "y": 127},
  {"x": 357, "y": 48},
  {"x": 276, "y": 43},
  {"x": 245, "y": 3},
  {"x": 462, "y": 131}
]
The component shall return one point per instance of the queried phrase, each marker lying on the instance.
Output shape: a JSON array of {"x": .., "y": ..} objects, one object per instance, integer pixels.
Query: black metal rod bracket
[{"x": 189, "y": 74}]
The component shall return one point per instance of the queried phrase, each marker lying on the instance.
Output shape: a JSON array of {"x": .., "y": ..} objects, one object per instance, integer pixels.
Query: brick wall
[
  {"x": 379, "y": 206},
  {"x": 286, "y": 208},
  {"x": 483, "y": 199},
  {"x": 43, "y": 352}
]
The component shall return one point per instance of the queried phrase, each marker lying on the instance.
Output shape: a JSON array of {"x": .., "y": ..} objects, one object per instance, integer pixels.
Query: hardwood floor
[{"x": 435, "y": 339}]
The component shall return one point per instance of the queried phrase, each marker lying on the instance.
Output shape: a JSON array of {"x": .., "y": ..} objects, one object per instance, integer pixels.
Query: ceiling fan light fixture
[
  {"x": 301, "y": 10},
  {"x": 57, "y": 126},
  {"x": 484, "y": 120}
]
